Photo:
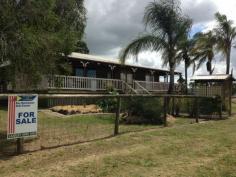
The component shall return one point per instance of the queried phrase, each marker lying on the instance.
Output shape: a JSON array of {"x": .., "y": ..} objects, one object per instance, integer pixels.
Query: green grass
[
  {"x": 206, "y": 149},
  {"x": 56, "y": 131},
  {"x": 183, "y": 149}
]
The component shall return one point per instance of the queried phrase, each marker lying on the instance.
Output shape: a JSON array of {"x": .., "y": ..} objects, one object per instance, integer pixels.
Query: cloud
[
  {"x": 200, "y": 11},
  {"x": 112, "y": 24}
]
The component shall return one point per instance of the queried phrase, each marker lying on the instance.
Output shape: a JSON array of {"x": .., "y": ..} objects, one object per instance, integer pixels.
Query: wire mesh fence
[{"x": 68, "y": 120}]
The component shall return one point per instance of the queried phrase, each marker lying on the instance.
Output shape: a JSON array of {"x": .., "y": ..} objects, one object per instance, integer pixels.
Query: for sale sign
[{"x": 22, "y": 116}]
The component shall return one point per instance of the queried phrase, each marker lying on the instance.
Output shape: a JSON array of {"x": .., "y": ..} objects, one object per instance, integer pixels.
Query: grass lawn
[
  {"x": 55, "y": 131},
  {"x": 205, "y": 149}
]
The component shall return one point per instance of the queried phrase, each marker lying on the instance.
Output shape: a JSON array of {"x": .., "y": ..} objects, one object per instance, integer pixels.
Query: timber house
[{"x": 93, "y": 74}]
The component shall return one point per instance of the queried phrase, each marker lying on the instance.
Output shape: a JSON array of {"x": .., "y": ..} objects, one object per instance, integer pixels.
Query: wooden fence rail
[{"x": 5, "y": 95}]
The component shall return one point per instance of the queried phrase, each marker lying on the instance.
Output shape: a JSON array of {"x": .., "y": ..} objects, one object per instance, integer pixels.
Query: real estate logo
[{"x": 22, "y": 116}]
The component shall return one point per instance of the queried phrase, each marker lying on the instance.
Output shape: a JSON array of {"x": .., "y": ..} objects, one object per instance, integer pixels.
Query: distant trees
[
  {"x": 219, "y": 39},
  {"x": 36, "y": 36},
  {"x": 168, "y": 26},
  {"x": 225, "y": 34},
  {"x": 204, "y": 50},
  {"x": 81, "y": 47}
]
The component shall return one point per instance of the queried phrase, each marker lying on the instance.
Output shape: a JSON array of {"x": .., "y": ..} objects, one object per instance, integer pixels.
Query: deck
[{"x": 60, "y": 82}]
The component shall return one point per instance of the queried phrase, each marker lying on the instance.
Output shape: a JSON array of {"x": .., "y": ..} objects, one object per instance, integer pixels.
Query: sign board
[{"x": 22, "y": 116}]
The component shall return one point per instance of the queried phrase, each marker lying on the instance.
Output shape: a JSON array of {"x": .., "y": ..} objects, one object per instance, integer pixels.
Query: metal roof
[
  {"x": 213, "y": 77},
  {"x": 75, "y": 55}
]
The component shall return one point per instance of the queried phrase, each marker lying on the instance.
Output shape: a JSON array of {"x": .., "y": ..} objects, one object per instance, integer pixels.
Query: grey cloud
[
  {"x": 113, "y": 24},
  {"x": 200, "y": 12}
]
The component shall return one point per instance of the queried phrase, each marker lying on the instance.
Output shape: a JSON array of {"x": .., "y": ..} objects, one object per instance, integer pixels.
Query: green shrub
[
  {"x": 185, "y": 105},
  {"x": 207, "y": 106},
  {"x": 142, "y": 110},
  {"x": 108, "y": 104}
]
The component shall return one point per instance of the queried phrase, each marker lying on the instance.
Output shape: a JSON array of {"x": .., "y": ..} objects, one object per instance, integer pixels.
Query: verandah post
[{"x": 116, "y": 130}]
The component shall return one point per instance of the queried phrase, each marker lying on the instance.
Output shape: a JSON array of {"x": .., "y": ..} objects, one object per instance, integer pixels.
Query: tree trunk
[
  {"x": 172, "y": 79},
  {"x": 209, "y": 67},
  {"x": 228, "y": 61},
  {"x": 186, "y": 77}
]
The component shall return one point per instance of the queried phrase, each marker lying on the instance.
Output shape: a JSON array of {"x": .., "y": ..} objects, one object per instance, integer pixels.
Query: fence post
[
  {"x": 116, "y": 130},
  {"x": 230, "y": 102},
  {"x": 173, "y": 106},
  {"x": 197, "y": 110},
  {"x": 165, "y": 111},
  {"x": 20, "y": 145},
  {"x": 220, "y": 108}
]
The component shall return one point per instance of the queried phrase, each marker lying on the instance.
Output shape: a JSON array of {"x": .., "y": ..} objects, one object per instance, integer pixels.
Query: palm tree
[
  {"x": 203, "y": 50},
  {"x": 185, "y": 55},
  {"x": 167, "y": 26},
  {"x": 225, "y": 34}
]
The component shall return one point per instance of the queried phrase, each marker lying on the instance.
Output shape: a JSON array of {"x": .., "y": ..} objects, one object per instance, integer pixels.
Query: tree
[
  {"x": 204, "y": 50},
  {"x": 36, "y": 37},
  {"x": 81, "y": 47},
  {"x": 185, "y": 54},
  {"x": 225, "y": 34},
  {"x": 168, "y": 26}
]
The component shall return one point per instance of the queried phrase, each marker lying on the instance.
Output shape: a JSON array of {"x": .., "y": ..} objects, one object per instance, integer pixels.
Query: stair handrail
[
  {"x": 143, "y": 89},
  {"x": 129, "y": 87}
]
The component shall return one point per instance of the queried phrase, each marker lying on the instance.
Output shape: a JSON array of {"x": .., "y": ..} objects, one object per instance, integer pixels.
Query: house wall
[{"x": 103, "y": 70}]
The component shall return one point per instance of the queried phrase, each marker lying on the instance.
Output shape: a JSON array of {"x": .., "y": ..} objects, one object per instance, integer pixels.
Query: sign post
[{"x": 22, "y": 116}]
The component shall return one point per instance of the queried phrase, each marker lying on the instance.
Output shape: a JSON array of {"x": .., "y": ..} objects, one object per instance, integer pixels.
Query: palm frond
[
  {"x": 162, "y": 16},
  {"x": 201, "y": 62},
  {"x": 147, "y": 42}
]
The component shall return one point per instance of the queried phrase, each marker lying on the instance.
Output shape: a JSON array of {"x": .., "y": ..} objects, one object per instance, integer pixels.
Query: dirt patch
[
  {"x": 76, "y": 109},
  {"x": 170, "y": 118}
]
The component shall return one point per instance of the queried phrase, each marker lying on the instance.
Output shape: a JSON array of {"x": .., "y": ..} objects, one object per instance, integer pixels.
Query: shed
[{"x": 214, "y": 85}]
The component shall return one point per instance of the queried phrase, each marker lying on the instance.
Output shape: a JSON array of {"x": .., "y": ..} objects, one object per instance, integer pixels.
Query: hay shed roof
[{"x": 215, "y": 77}]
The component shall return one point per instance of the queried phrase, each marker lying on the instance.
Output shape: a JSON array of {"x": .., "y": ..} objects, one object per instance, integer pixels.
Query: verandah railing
[
  {"x": 154, "y": 86},
  {"x": 87, "y": 83},
  {"x": 102, "y": 84},
  {"x": 83, "y": 83}
]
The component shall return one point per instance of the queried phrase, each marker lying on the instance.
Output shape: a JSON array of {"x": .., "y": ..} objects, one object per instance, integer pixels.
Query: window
[
  {"x": 79, "y": 72},
  {"x": 91, "y": 73}
]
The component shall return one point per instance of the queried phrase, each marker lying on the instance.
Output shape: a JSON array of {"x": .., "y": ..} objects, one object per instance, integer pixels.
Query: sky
[{"x": 113, "y": 24}]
